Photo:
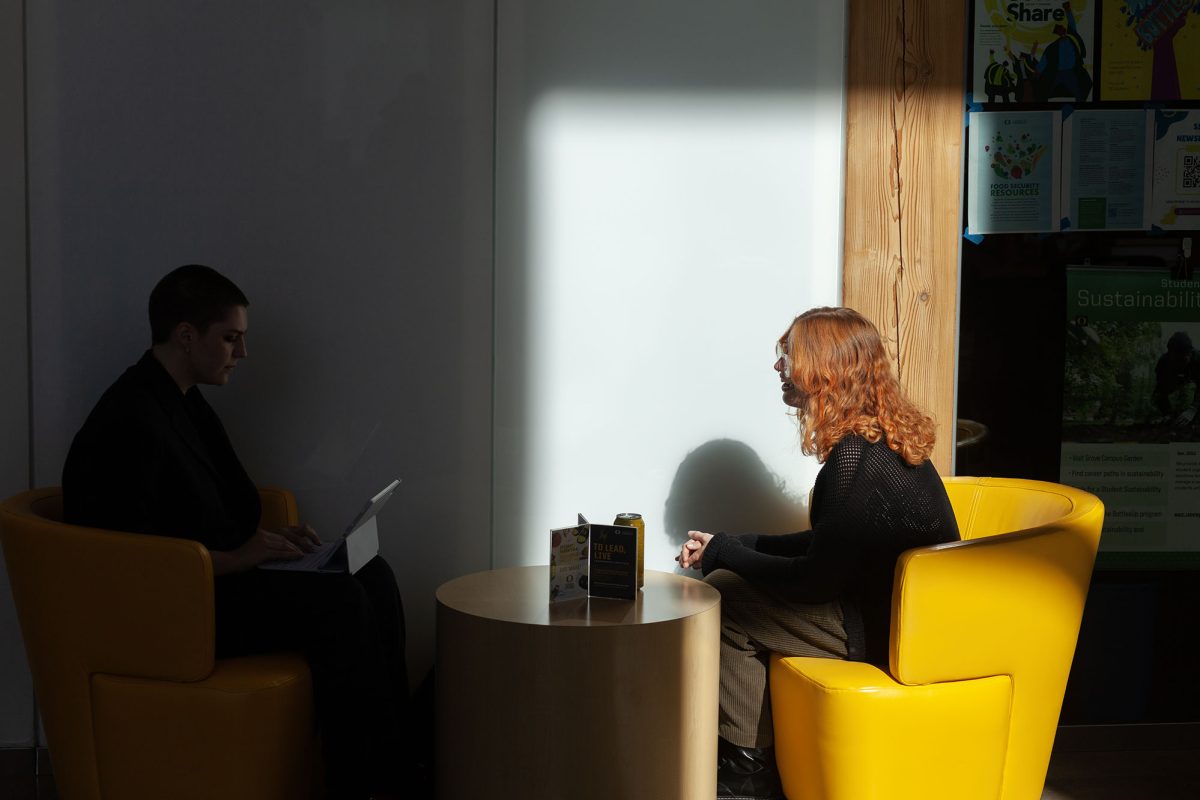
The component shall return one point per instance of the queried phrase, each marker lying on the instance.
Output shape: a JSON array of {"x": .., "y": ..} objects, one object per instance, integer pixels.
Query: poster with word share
[{"x": 1033, "y": 51}]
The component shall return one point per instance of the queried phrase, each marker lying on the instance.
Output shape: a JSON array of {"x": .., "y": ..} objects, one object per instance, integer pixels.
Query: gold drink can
[{"x": 635, "y": 521}]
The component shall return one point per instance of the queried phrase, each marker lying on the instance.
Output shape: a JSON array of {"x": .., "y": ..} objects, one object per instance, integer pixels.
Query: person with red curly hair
[{"x": 827, "y": 591}]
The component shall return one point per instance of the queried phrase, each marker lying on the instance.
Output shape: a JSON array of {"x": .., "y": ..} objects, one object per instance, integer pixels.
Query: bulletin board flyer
[
  {"x": 1033, "y": 51},
  {"x": 1012, "y": 171},
  {"x": 1151, "y": 50},
  {"x": 1107, "y": 169},
  {"x": 1131, "y": 431},
  {"x": 1176, "y": 202}
]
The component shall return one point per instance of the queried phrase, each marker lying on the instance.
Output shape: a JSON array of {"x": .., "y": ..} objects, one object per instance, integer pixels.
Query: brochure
[
  {"x": 1107, "y": 169},
  {"x": 589, "y": 560},
  {"x": 569, "y": 563},
  {"x": 613, "y": 570}
]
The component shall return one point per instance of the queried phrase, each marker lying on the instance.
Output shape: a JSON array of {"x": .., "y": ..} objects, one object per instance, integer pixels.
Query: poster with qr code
[{"x": 1176, "y": 203}]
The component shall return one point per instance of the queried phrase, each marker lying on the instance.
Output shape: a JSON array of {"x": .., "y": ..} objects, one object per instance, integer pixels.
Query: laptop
[{"x": 350, "y": 551}]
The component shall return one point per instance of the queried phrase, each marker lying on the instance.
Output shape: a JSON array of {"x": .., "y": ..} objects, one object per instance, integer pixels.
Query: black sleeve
[
  {"x": 788, "y": 544},
  {"x": 830, "y": 562}
]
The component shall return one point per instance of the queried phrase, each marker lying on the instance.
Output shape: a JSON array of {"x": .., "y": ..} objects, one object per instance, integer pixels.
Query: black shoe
[{"x": 746, "y": 773}]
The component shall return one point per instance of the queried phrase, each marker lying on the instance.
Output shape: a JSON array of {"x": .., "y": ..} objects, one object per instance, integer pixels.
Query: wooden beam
[{"x": 904, "y": 132}]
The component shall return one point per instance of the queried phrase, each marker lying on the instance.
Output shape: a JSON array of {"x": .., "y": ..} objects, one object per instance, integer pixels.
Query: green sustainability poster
[{"x": 1131, "y": 408}]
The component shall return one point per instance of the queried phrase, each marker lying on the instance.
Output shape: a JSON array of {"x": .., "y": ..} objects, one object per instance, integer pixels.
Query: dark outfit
[
  {"x": 150, "y": 459},
  {"x": 1061, "y": 70},
  {"x": 826, "y": 591},
  {"x": 1025, "y": 69},
  {"x": 998, "y": 81},
  {"x": 1172, "y": 372}
]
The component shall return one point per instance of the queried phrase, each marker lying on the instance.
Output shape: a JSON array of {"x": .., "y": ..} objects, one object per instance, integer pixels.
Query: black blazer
[{"x": 150, "y": 459}]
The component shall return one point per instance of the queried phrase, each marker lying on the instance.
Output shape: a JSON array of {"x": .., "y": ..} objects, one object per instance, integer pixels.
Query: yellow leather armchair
[
  {"x": 983, "y": 633},
  {"x": 118, "y": 628}
]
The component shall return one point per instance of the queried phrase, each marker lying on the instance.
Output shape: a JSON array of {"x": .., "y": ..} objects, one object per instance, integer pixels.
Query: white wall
[
  {"x": 16, "y": 694},
  {"x": 668, "y": 184},
  {"x": 333, "y": 158}
]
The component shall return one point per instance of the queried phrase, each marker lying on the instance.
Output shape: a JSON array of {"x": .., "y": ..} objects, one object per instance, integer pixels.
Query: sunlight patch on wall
[{"x": 668, "y": 241}]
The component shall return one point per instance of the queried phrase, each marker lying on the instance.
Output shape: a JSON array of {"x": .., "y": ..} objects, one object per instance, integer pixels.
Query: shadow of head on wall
[{"x": 723, "y": 485}]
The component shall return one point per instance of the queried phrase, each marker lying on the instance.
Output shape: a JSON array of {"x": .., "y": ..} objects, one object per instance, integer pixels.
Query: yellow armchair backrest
[
  {"x": 988, "y": 506},
  {"x": 1005, "y": 601}
]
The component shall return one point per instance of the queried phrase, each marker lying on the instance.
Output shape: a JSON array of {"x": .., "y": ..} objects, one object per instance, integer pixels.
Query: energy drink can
[{"x": 635, "y": 521}]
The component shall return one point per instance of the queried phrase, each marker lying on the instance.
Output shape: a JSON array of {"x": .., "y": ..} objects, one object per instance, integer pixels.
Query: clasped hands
[{"x": 692, "y": 552}]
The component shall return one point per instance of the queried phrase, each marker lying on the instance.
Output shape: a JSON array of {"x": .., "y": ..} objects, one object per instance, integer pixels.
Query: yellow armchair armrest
[
  {"x": 107, "y": 615},
  {"x": 121, "y": 603},
  {"x": 112, "y": 602}
]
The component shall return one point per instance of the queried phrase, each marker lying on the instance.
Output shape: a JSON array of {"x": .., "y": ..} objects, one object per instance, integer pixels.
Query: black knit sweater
[{"x": 868, "y": 507}]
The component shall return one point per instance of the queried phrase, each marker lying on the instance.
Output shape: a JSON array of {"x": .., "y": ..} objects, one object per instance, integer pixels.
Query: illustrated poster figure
[
  {"x": 998, "y": 81},
  {"x": 1061, "y": 72},
  {"x": 1026, "y": 74},
  {"x": 1175, "y": 369}
]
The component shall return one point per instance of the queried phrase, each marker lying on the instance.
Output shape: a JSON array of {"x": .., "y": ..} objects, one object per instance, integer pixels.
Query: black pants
[{"x": 350, "y": 629}]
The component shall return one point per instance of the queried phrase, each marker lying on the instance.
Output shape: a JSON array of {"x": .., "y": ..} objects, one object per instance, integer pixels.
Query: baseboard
[
  {"x": 1129, "y": 737},
  {"x": 17, "y": 762},
  {"x": 43, "y": 762},
  {"x": 20, "y": 762}
]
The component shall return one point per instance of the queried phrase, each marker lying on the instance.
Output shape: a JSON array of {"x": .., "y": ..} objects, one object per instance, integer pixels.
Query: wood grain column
[{"x": 904, "y": 133}]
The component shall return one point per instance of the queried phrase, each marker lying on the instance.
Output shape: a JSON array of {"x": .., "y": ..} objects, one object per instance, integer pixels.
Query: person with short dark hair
[
  {"x": 1175, "y": 369},
  {"x": 195, "y": 294},
  {"x": 153, "y": 458},
  {"x": 825, "y": 592}
]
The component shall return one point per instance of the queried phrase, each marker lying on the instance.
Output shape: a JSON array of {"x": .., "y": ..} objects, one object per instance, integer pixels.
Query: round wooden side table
[{"x": 590, "y": 698}]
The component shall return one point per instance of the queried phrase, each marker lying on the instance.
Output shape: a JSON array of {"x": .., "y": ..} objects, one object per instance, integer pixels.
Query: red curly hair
[{"x": 840, "y": 368}]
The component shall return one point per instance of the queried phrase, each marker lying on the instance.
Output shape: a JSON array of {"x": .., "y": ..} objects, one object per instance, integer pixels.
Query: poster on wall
[
  {"x": 1033, "y": 51},
  {"x": 1013, "y": 171},
  {"x": 1176, "y": 201},
  {"x": 1131, "y": 408},
  {"x": 1151, "y": 50},
  {"x": 1106, "y": 169}
]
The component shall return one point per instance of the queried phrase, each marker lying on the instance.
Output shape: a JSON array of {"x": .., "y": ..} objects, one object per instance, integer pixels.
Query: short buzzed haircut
[{"x": 193, "y": 293}]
